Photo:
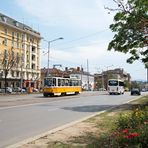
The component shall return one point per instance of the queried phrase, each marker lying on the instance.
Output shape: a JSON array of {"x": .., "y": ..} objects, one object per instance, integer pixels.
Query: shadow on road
[
  {"x": 90, "y": 108},
  {"x": 97, "y": 108}
]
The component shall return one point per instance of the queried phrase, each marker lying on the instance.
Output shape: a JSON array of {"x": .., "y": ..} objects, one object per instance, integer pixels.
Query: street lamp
[
  {"x": 49, "y": 51},
  {"x": 107, "y": 74}
]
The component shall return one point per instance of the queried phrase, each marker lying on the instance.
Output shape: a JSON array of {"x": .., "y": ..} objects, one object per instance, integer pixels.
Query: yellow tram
[{"x": 56, "y": 86}]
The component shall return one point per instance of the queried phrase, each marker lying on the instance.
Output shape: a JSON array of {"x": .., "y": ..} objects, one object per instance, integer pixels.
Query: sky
[{"x": 84, "y": 27}]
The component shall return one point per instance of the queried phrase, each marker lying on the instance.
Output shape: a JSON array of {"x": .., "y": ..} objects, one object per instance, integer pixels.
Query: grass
[{"x": 123, "y": 126}]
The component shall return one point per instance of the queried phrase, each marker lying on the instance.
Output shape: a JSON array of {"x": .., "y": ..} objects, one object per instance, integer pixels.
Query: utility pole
[
  {"x": 81, "y": 76},
  {"x": 102, "y": 80},
  {"x": 49, "y": 52},
  {"x": 22, "y": 63},
  {"x": 87, "y": 76}
]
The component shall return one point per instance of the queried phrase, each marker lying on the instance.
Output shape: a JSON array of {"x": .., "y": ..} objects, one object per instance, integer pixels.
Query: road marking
[
  {"x": 53, "y": 109},
  {"x": 25, "y": 105}
]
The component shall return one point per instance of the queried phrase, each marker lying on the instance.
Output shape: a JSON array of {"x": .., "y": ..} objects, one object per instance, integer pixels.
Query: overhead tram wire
[
  {"x": 80, "y": 38},
  {"x": 81, "y": 45},
  {"x": 83, "y": 37}
]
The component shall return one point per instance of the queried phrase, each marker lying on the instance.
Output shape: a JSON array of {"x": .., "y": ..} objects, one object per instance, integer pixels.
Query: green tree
[{"x": 130, "y": 26}]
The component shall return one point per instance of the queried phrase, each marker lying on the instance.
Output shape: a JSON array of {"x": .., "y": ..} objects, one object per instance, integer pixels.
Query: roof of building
[{"x": 13, "y": 23}]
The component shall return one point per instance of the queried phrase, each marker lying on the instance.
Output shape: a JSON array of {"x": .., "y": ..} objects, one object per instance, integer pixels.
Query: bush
[{"x": 132, "y": 129}]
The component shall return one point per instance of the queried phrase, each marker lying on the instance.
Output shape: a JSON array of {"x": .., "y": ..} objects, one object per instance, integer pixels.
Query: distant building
[
  {"x": 118, "y": 73},
  {"x": 86, "y": 78},
  {"x": 24, "y": 43}
]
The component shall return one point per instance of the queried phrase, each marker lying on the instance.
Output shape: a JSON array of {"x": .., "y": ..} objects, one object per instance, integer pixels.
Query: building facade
[
  {"x": 20, "y": 54},
  {"x": 101, "y": 80}
]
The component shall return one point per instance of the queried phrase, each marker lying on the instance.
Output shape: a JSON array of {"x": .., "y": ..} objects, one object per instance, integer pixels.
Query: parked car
[
  {"x": 8, "y": 90},
  {"x": 2, "y": 90},
  {"x": 135, "y": 91},
  {"x": 35, "y": 90},
  {"x": 102, "y": 89},
  {"x": 18, "y": 89}
]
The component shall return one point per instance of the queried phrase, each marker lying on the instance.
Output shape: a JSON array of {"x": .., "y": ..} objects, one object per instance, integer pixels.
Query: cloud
[
  {"x": 96, "y": 53},
  {"x": 84, "y": 14}
]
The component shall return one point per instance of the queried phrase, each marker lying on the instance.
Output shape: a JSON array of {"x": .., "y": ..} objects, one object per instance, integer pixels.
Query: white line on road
[
  {"x": 53, "y": 109},
  {"x": 25, "y": 105}
]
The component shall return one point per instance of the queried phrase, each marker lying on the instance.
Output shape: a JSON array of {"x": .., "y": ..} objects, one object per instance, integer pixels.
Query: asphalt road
[{"x": 22, "y": 121}]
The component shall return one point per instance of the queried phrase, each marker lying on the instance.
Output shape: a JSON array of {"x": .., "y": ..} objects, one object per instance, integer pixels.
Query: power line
[{"x": 83, "y": 37}]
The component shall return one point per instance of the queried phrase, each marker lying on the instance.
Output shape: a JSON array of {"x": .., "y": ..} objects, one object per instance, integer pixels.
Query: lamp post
[
  {"x": 49, "y": 51},
  {"x": 107, "y": 75}
]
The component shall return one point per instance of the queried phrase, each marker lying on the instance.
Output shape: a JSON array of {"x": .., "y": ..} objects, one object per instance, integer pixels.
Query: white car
[{"x": 8, "y": 89}]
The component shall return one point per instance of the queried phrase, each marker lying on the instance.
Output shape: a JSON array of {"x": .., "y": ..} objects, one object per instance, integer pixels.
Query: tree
[
  {"x": 131, "y": 24},
  {"x": 9, "y": 61}
]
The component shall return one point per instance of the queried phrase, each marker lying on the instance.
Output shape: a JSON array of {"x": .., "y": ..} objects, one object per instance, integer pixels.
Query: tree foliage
[{"x": 130, "y": 26}]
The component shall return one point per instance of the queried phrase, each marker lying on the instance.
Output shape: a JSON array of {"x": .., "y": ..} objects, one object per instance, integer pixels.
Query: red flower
[
  {"x": 132, "y": 135},
  {"x": 125, "y": 131}
]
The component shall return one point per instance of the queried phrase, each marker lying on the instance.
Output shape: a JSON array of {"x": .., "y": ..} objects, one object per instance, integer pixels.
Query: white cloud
[{"x": 84, "y": 14}]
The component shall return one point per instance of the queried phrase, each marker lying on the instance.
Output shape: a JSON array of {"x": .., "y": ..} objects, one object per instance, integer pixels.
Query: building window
[
  {"x": 12, "y": 35},
  {"x": 27, "y": 58},
  {"x": 23, "y": 46},
  {"x": 17, "y": 84},
  {"x": 12, "y": 43},
  {"x": 5, "y": 31},
  {"x": 33, "y": 66},
  {"x": 33, "y": 49},
  {"x": 17, "y": 73},
  {"x": 5, "y": 42},
  {"x": 17, "y": 58},
  {"x": 12, "y": 73},
  {"x": 33, "y": 57},
  {"x": 5, "y": 54},
  {"x": 18, "y": 44},
  {"x": 18, "y": 35},
  {"x": 23, "y": 37}
]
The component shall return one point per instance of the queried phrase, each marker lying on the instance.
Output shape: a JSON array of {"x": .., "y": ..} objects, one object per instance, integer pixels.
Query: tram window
[
  {"x": 70, "y": 82},
  {"x": 63, "y": 82},
  {"x": 66, "y": 82},
  {"x": 59, "y": 82},
  {"x": 54, "y": 82},
  {"x": 48, "y": 82}
]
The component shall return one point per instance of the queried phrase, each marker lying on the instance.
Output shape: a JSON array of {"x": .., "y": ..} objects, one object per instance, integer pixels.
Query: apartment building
[{"x": 19, "y": 54}]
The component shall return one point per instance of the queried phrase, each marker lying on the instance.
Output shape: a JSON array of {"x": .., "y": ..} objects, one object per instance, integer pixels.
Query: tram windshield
[{"x": 49, "y": 82}]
